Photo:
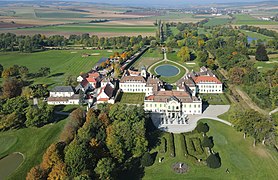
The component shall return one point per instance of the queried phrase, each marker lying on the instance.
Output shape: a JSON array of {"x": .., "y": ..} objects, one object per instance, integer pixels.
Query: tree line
[{"x": 38, "y": 42}]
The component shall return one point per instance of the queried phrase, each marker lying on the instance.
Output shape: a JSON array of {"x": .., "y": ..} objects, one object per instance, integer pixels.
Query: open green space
[
  {"x": 266, "y": 65},
  {"x": 237, "y": 154},
  {"x": 96, "y": 28},
  {"x": 32, "y": 142},
  {"x": 6, "y": 143},
  {"x": 215, "y": 99},
  {"x": 246, "y": 19},
  {"x": 149, "y": 58},
  {"x": 40, "y": 13},
  {"x": 217, "y": 21},
  {"x": 172, "y": 79},
  {"x": 255, "y": 35},
  {"x": 190, "y": 64},
  {"x": 61, "y": 62},
  {"x": 131, "y": 98}
]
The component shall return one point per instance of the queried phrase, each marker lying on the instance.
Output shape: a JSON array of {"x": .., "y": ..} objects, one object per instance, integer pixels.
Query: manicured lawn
[
  {"x": 32, "y": 142},
  {"x": 149, "y": 58},
  {"x": 131, "y": 98},
  {"x": 61, "y": 62},
  {"x": 190, "y": 64},
  {"x": 238, "y": 155},
  {"x": 171, "y": 79},
  {"x": 215, "y": 99},
  {"x": 266, "y": 65}
]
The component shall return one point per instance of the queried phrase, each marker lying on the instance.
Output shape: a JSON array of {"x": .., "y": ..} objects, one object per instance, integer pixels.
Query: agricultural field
[
  {"x": 218, "y": 21},
  {"x": 131, "y": 98},
  {"x": 31, "y": 142},
  {"x": 150, "y": 57},
  {"x": 245, "y": 19},
  {"x": 62, "y": 63},
  {"x": 238, "y": 155}
]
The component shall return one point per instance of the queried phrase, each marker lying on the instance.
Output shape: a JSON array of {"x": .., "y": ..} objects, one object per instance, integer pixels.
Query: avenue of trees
[
  {"x": 99, "y": 145},
  {"x": 38, "y": 42}
]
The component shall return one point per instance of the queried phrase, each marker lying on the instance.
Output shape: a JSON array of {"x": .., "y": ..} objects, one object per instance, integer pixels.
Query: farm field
[
  {"x": 131, "y": 98},
  {"x": 149, "y": 58},
  {"x": 245, "y": 19},
  {"x": 32, "y": 142},
  {"x": 62, "y": 63},
  {"x": 238, "y": 155},
  {"x": 217, "y": 21}
]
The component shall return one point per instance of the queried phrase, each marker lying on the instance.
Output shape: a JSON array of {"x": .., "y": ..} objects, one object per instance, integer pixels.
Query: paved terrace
[{"x": 210, "y": 113}]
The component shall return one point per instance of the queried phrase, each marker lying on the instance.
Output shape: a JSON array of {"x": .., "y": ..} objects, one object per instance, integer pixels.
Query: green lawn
[
  {"x": 245, "y": 19},
  {"x": 217, "y": 21},
  {"x": 238, "y": 155},
  {"x": 149, "y": 58},
  {"x": 255, "y": 35},
  {"x": 190, "y": 64},
  {"x": 171, "y": 79},
  {"x": 215, "y": 99},
  {"x": 266, "y": 65},
  {"x": 96, "y": 28},
  {"x": 131, "y": 98},
  {"x": 32, "y": 142},
  {"x": 61, "y": 62}
]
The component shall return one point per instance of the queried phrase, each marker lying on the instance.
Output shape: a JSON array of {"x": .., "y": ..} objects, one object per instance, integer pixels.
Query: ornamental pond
[{"x": 167, "y": 70}]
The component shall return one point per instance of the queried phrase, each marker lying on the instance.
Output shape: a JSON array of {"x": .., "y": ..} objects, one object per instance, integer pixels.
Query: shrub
[
  {"x": 202, "y": 127},
  {"x": 183, "y": 144},
  {"x": 171, "y": 145},
  {"x": 190, "y": 146},
  {"x": 207, "y": 142},
  {"x": 214, "y": 161},
  {"x": 163, "y": 145},
  {"x": 147, "y": 160},
  {"x": 197, "y": 146}
]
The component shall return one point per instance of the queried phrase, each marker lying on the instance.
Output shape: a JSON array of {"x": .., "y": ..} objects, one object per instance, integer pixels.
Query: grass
[
  {"x": 215, "y": 99},
  {"x": 255, "y": 35},
  {"x": 190, "y": 64},
  {"x": 149, "y": 58},
  {"x": 266, "y": 65},
  {"x": 6, "y": 143},
  {"x": 131, "y": 98},
  {"x": 238, "y": 155},
  {"x": 217, "y": 21},
  {"x": 32, "y": 142},
  {"x": 95, "y": 28},
  {"x": 245, "y": 19},
  {"x": 61, "y": 62}
]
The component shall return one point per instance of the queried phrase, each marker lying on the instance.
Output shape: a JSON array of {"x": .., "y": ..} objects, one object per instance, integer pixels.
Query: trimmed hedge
[
  {"x": 183, "y": 144},
  {"x": 197, "y": 145},
  {"x": 171, "y": 145},
  {"x": 190, "y": 146},
  {"x": 163, "y": 145}
]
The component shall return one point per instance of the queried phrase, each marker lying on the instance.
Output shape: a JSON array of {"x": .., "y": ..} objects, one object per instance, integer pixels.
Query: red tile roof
[{"x": 206, "y": 79}]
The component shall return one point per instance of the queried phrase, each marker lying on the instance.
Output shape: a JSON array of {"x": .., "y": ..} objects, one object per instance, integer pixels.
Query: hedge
[
  {"x": 190, "y": 146},
  {"x": 171, "y": 145},
  {"x": 197, "y": 145},
  {"x": 163, "y": 145},
  {"x": 183, "y": 144}
]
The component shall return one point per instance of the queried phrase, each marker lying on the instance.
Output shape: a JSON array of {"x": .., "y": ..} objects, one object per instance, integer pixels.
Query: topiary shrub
[
  {"x": 163, "y": 145},
  {"x": 171, "y": 145},
  {"x": 214, "y": 161},
  {"x": 147, "y": 160},
  {"x": 207, "y": 142},
  {"x": 202, "y": 127}
]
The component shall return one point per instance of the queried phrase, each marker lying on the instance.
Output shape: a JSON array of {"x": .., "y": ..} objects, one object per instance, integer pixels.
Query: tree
[
  {"x": 261, "y": 53},
  {"x": 36, "y": 173},
  {"x": 184, "y": 54},
  {"x": 44, "y": 71},
  {"x": 78, "y": 158},
  {"x": 16, "y": 104},
  {"x": 1, "y": 69},
  {"x": 236, "y": 75},
  {"x": 202, "y": 127},
  {"x": 12, "y": 87},
  {"x": 13, "y": 120},
  {"x": 39, "y": 90},
  {"x": 38, "y": 116},
  {"x": 147, "y": 160},
  {"x": 52, "y": 156},
  {"x": 207, "y": 142},
  {"x": 105, "y": 167},
  {"x": 214, "y": 161},
  {"x": 59, "y": 171}
]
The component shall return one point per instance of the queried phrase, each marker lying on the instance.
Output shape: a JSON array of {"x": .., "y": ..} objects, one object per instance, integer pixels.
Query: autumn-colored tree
[
  {"x": 78, "y": 116},
  {"x": 12, "y": 87},
  {"x": 104, "y": 119},
  {"x": 236, "y": 75},
  {"x": 124, "y": 55},
  {"x": 184, "y": 54},
  {"x": 201, "y": 43},
  {"x": 36, "y": 173},
  {"x": 51, "y": 157},
  {"x": 58, "y": 172}
]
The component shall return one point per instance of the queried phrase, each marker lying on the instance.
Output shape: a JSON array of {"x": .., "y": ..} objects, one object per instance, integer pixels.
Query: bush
[
  {"x": 147, "y": 160},
  {"x": 171, "y": 145},
  {"x": 163, "y": 145},
  {"x": 197, "y": 146},
  {"x": 214, "y": 161},
  {"x": 190, "y": 146},
  {"x": 202, "y": 127},
  {"x": 183, "y": 144},
  {"x": 207, "y": 142}
]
